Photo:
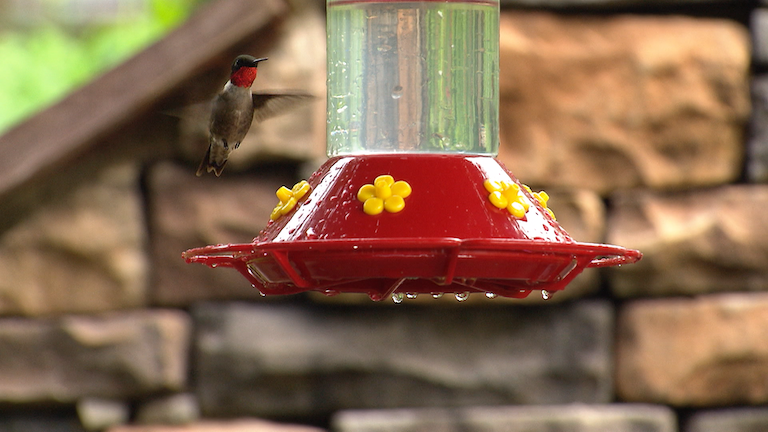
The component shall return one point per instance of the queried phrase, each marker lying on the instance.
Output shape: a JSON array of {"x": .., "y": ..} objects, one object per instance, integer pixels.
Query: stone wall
[{"x": 637, "y": 117}]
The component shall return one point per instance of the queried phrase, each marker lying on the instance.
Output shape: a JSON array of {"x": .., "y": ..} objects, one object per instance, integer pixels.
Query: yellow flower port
[
  {"x": 288, "y": 198},
  {"x": 508, "y": 195},
  {"x": 384, "y": 194}
]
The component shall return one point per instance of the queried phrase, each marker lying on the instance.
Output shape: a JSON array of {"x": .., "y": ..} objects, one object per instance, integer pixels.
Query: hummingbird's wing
[
  {"x": 200, "y": 111},
  {"x": 266, "y": 105}
]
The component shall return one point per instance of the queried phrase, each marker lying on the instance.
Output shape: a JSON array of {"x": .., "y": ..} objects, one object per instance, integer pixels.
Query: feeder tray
[{"x": 447, "y": 235}]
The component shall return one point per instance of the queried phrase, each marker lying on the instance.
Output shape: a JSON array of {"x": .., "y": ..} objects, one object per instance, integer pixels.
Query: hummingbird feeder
[{"x": 412, "y": 199}]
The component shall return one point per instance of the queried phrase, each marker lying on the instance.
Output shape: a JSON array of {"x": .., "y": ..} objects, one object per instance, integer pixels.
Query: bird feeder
[{"x": 412, "y": 199}]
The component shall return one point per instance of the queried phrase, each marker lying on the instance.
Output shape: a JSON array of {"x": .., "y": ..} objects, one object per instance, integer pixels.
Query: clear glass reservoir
[{"x": 413, "y": 77}]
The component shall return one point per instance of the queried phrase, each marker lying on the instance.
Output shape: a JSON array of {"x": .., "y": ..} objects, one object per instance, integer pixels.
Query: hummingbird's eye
[
  {"x": 244, "y": 61},
  {"x": 240, "y": 61}
]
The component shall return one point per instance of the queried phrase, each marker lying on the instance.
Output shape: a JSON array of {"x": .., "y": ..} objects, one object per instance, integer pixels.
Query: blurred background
[
  {"x": 646, "y": 122},
  {"x": 50, "y": 47}
]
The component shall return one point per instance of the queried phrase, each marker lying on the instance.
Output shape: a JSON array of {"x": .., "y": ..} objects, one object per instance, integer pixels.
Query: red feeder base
[{"x": 446, "y": 235}]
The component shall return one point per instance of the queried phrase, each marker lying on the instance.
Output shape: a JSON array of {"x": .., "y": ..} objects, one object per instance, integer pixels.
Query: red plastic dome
[{"x": 446, "y": 235}]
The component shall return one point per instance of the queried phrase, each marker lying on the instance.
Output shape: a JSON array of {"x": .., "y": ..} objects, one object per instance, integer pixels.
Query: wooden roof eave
[{"x": 37, "y": 147}]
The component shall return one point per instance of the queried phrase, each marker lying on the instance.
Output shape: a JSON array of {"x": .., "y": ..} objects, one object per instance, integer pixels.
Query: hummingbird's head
[{"x": 244, "y": 70}]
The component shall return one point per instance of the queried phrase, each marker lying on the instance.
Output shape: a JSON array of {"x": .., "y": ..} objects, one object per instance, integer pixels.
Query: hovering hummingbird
[{"x": 236, "y": 108}]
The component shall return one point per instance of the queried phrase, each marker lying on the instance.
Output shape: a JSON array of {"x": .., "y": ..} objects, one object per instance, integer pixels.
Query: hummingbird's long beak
[{"x": 256, "y": 62}]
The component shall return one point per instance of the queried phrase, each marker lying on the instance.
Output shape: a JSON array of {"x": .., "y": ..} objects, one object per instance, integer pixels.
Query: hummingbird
[{"x": 235, "y": 108}]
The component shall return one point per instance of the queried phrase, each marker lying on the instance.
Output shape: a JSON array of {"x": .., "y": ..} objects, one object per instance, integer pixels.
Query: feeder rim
[{"x": 604, "y": 255}]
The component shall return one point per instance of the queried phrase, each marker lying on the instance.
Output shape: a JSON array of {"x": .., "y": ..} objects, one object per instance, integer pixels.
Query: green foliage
[{"x": 41, "y": 66}]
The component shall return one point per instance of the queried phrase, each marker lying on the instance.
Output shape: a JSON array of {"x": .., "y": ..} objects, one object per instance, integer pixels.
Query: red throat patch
[{"x": 243, "y": 77}]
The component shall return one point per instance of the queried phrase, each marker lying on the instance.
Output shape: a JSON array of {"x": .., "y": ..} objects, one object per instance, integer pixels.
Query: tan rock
[
  {"x": 82, "y": 251},
  {"x": 705, "y": 351},
  {"x": 175, "y": 409},
  {"x": 692, "y": 242},
  {"x": 97, "y": 414},
  {"x": 115, "y": 356},
  {"x": 190, "y": 212},
  {"x": 511, "y": 418},
  {"x": 614, "y": 102},
  {"x": 244, "y": 425}
]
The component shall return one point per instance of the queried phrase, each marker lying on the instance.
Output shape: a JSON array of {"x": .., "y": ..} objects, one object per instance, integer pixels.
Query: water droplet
[
  {"x": 437, "y": 295},
  {"x": 342, "y": 109},
  {"x": 397, "y": 92},
  {"x": 339, "y": 131},
  {"x": 214, "y": 265},
  {"x": 311, "y": 234},
  {"x": 331, "y": 293},
  {"x": 546, "y": 295},
  {"x": 491, "y": 295},
  {"x": 262, "y": 294},
  {"x": 411, "y": 295},
  {"x": 462, "y": 296},
  {"x": 397, "y": 298}
]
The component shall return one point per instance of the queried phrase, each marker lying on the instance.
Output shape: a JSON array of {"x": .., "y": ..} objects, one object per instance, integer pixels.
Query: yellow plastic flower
[
  {"x": 384, "y": 194},
  {"x": 289, "y": 198},
  {"x": 508, "y": 195},
  {"x": 543, "y": 197}
]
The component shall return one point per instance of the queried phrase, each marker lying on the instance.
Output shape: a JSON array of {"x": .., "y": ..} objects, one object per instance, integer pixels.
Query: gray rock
[
  {"x": 758, "y": 27},
  {"x": 39, "y": 422},
  {"x": 757, "y": 145},
  {"x": 283, "y": 360},
  {"x": 731, "y": 420},
  {"x": 119, "y": 355},
  {"x": 241, "y": 425},
  {"x": 571, "y": 418}
]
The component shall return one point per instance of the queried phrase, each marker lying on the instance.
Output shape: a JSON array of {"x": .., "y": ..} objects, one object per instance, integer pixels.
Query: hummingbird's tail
[{"x": 208, "y": 165}]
